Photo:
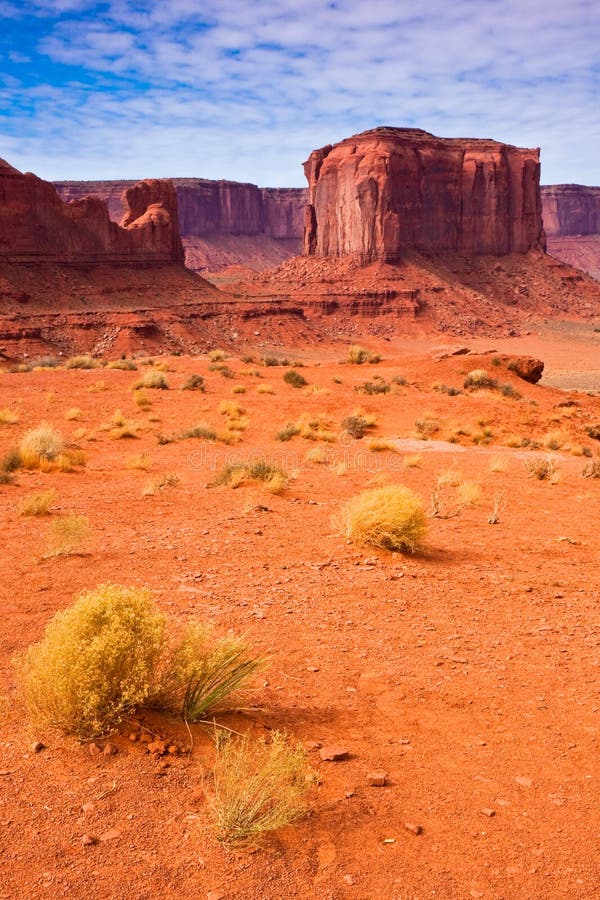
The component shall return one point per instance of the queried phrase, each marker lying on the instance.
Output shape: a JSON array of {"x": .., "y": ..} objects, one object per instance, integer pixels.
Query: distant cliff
[
  {"x": 221, "y": 222},
  {"x": 383, "y": 191},
  {"x": 572, "y": 222},
  {"x": 37, "y": 226}
]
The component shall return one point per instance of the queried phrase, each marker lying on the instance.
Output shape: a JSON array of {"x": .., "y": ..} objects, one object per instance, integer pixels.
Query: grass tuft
[{"x": 391, "y": 518}]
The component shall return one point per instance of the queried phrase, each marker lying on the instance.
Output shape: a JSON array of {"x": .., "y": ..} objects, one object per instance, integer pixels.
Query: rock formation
[
  {"x": 381, "y": 192},
  {"x": 572, "y": 222},
  {"x": 570, "y": 209},
  {"x": 37, "y": 226},
  {"x": 221, "y": 222}
]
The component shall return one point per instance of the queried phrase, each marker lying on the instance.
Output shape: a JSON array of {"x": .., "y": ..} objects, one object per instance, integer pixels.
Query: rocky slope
[
  {"x": 388, "y": 190},
  {"x": 36, "y": 225},
  {"x": 572, "y": 222},
  {"x": 222, "y": 223}
]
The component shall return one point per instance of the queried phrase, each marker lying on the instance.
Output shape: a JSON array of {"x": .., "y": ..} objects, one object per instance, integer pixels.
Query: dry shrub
[
  {"x": 140, "y": 461},
  {"x": 541, "y": 467},
  {"x": 238, "y": 389},
  {"x": 295, "y": 379},
  {"x": 73, "y": 414},
  {"x": 95, "y": 663},
  {"x": 231, "y": 409},
  {"x": 202, "y": 674},
  {"x": 591, "y": 469},
  {"x": 317, "y": 455},
  {"x": 412, "y": 461},
  {"x": 450, "y": 477},
  {"x": 8, "y": 417},
  {"x": 469, "y": 493},
  {"x": 194, "y": 383},
  {"x": 235, "y": 474},
  {"x": 498, "y": 464},
  {"x": 391, "y": 518},
  {"x": 554, "y": 440},
  {"x": 479, "y": 378},
  {"x": 168, "y": 480},
  {"x": 426, "y": 425},
  {"x": 67, "y": 535},
  {"x": 265, "y": 389},
  {"x": 153, "y": 380},
  {"x": 126, "y": 365},
  {"x": 379, "y": 445},
  {"x": 97, "y": 387},
  {"x": 357, "y": 355},
  {"x": 37, "y": 504},
  {"x": 258, "y": 787},
  {"x": 40, "y": 444},
  {"x": 81, "y": 362},
  {"x": 141, "y": 398},
  {"x": 217, "y": 355}
]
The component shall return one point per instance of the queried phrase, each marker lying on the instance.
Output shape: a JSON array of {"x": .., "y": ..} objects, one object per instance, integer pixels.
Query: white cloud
[{"x": 245, "y": 91}]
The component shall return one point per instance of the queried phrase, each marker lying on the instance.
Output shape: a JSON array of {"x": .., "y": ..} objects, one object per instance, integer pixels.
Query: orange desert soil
[{"x": 468, "y": 671}]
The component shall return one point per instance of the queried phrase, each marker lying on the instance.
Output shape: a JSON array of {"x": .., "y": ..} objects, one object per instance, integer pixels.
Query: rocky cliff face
[
  {"x": 36, "y": 225},
  {"x": 222, "y": 222},
  {"x": 390, "y": 189},
  {"x": 570, "y": 209}
]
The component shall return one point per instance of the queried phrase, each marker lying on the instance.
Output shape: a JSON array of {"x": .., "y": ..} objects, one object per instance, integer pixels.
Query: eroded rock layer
[
  {"x": 379, "y": 193},
  {"x": 222, "y": 222},
  {"x": 36, "y": 225},
  {"x": 570, "y": 209}
]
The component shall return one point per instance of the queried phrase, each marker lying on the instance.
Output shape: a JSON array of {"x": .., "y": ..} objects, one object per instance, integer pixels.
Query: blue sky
[{"x": 245, "y": 90}]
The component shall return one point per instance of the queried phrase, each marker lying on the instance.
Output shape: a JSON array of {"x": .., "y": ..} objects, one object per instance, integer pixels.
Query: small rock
[
  {"x": 486, "y": 811},
  {"x": 88, "y": 807},
  {"x": 94, "y": 750},
  {"x": 158, "y": 747},
  {"x": 523, "y": 781},
  {"x": 38, "y": 747},
  {"x": 349, "y": 794},
  {"x": 334, "y": 753},
  {"x": 389, "y": 840},
  {"x": 111, "y": 835},
  {"x": 313, "y": 745},
  {"x": 110, "y": 749},
  {"x": 89, "y": 840},
  {"x": 415, "y": 829},
  {"x": 377, "y": 778},
  {"x": 348, "y": 879},
  {"x": 133, "y": 736},
  {"x": 312, "y": 668},
  {"x": 215, "y": 895}
]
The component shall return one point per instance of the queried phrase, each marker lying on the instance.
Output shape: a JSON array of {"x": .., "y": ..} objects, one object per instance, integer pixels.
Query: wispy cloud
[{"x": 236, "y": 90}]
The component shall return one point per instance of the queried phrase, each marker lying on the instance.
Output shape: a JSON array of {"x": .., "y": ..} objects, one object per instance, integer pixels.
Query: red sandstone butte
[
  {"x": 36, "y": 226},
  {"x": 572, "y": 222},
  {"x": 389, "y": 189}
]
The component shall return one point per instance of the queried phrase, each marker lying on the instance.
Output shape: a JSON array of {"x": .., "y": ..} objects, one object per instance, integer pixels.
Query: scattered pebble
[
  {"x": 486, "y": 811},
  {"x": 38, "y": 747},
  {"x": 334, "y": 753},
  {"x": 377, "y": 778},
  {"x": 89, "y": 840},
  {"x": 414, "y": 828},
  {"x": 524, "y": 781},
  {"x": 111, "y": 835},
  {"x": 110, "y": 749}
]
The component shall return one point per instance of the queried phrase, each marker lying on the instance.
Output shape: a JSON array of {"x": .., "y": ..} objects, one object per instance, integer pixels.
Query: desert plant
[
  {"x": 592, "y": 469},
  {"x": 39, "y": 444},
  {"x": 10, "y": 462},
  {"x": 426, "y": 425},
  {"x": 167, "y": 480},
  {"x": 258, "y": 787},
  {"x": 67, "y": 535},
  {"x": 479, "y": 378},
  {"x": 238, "y": 389},
  {"x": 379, "y": 445},
  {"x": 288, "y": 432},
  {"x": 390, "y": 517},
  {"x": 541, "y": 467},
  {"x": 8, "y": 417},
  {"x": 217, "y": 355},
  {"x": 73, "y": 414},
  {"x": 95, "y": 663},
  {"x": 153, "y": 380},
  {"x": 194, "y": 383},
  {"x": 412, "y": 461},
  {"x": 295, "y": 379},
  {"x": 202, "y": 674},
  {"x": 446, "y": 389},
  {"x": 125, "y": 365},
  {"x": 507, "y": 390},
  {"x": 378, "y": 386},
  {"x": 317, "y": 455},
  {"x": 357, "y": 425},
  {"x": 140, "y": 461},
  {"x": 81, "y": 362},
  {"x": 357, "y": 355},
  {"x": 37, "y": 504},
  {"x": 265, "y": 389},
  {"x": 593, "y": 431},
  {"x": 235, "y": 474}
]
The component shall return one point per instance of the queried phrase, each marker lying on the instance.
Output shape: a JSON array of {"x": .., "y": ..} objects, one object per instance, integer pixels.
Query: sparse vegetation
[
  {"x": 153, "y": 380},
  {"x": 217, "y": 355},
  {"x": 391, "y": 518},
  {"x": 67, "y": 535},
  {"x": 265, "y": 389},
  {"x": 194, "y": 383},
  {"x": 126, "y": 365},
  {"x": 541, "y": 467},
  {"x": 40, "y": 445},
  {"x": 295, "y": 379},
  {"x": 167, "y": 480},
  {"x": 427, "y": 425},
  {"x": 234, "y": 474},
  {"x": 81, "y": 362},
  {"x": 478, "y": 379},
  {"x": 378, "y": 386},
  {"x": 258, "y": 787},
  {"x": 95, "y": 663},
  {"x": 37, "y": 504},
  {"x": 358, "y": 424},
  {"x": 357, "y": 356},
  {"x": 592, "y": 469},
  {"x": 8, "y": 417}
]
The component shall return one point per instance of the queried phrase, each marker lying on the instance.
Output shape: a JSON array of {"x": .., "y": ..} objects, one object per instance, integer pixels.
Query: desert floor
[{"x": 467, "y": 671}]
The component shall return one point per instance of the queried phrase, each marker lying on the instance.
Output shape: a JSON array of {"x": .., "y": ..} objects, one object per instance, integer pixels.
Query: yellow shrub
[
  {"x": 378, "y": 445},
  {"x": 389, "y": 517},
  {"x": 8, "y": 417},
  {"x": 37, "y": 504},
  {"x": 67, "y": 535},
  {"x": 265, "y": 389},
  {"x": 95, "y": 663},
  {"x": 73, "y": 414},
  {"x": 41, "y": 443}
]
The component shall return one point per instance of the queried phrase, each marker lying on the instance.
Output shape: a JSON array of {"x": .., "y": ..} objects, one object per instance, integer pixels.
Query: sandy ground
[{"x": 468, "y": 671}]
